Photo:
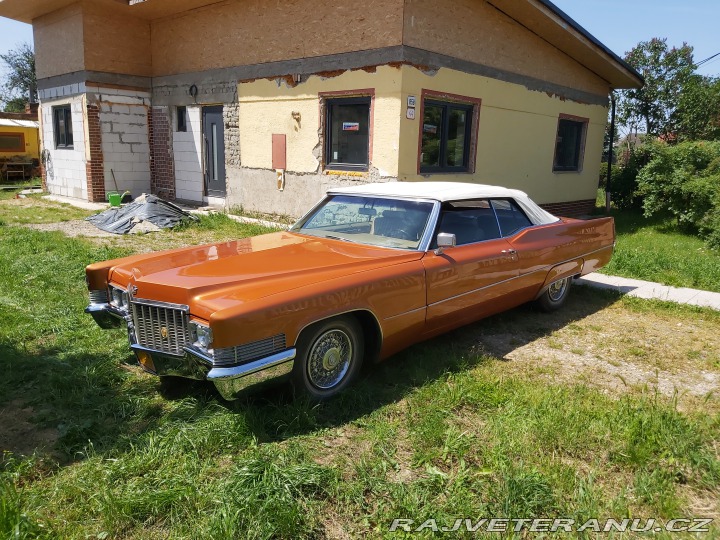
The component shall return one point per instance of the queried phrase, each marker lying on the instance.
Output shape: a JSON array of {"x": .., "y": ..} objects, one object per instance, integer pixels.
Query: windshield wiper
[{"x": 331, "y": 237}]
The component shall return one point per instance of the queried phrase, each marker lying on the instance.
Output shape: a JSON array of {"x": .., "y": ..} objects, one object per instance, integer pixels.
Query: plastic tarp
[{"x": 136, "y": 216}]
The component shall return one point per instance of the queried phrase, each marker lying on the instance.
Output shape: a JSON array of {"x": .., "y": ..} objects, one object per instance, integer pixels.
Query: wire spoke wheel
[
  {"x": 330, "y": 354},
  {"x": 329, "y": 359},
  {"x": 557, "y": 290},
  {"x": 555, "y": 295}
]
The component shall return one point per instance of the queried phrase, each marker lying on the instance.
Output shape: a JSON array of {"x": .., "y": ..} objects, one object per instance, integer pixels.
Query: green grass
[
  {"x": 440, "y": 431},
  {"x": 655, "y": 250}
]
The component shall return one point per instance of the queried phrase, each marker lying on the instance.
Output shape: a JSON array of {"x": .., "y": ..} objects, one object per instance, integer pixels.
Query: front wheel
[
  {"x": 329, "y": 358},
  {"x": 555, "y": 295}
]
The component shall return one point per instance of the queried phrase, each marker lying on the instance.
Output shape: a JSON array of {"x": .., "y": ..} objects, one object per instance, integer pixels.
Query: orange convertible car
[{"x": 369, "y": 271}]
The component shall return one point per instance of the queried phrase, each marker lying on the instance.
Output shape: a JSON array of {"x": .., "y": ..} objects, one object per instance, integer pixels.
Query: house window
[
  {"x": 570, "y": 143},
  {"x": 62, "y": 120},
  {"x": 12, "y": 142},
  {"x": 347, "y": 133},
  {"x": 446, "y": 134},
  {"x": 181, "y": 118}
]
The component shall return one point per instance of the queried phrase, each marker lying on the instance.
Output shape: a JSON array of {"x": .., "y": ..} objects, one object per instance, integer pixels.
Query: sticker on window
[
  {"x": 429, "y": 128},
  {"x": 351, "y": 126}
]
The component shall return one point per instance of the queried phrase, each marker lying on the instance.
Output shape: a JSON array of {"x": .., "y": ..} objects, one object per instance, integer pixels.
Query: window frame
[
  {"x": 448, "y": 100},
  {"x": 181, "y": 119},
  {"x": 359, "y": 96},
  {"x": 489, "y": 200},
  {"x": 67, "y": 111},
  {"x": 21, "y": 140},
  {"x": 581, "y": 144}
]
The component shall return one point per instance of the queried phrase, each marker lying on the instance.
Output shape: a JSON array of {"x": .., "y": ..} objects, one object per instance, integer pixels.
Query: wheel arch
[{"x": 372, "y": 331}]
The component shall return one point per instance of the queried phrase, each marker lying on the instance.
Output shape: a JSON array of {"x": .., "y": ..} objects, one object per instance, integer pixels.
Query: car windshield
[{"x": 393, "y": 223}]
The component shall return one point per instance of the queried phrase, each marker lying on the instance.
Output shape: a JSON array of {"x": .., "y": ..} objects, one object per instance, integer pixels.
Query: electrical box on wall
[
  {"x": 279, "y": 151},
  {"x": 279, "y": 158}
]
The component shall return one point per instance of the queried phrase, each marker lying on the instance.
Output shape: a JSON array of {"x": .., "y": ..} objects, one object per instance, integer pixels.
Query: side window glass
[
  {"x": 510, "y": 217},
  {"x": 470, "y": 221}
]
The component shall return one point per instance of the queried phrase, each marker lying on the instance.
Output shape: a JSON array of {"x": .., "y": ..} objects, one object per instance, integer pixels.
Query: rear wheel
[
  {"x": 555, "y": 295},
  {"x": 329, "y": 357}
]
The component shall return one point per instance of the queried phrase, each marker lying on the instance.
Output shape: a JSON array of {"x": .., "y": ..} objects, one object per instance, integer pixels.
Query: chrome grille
[
  {"x": 161, "y": 327},
  {"x": 250, "y": 351},
  {"x": 99, "y": 297}
]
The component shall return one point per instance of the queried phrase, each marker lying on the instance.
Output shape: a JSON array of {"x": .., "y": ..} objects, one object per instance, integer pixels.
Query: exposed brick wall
[
  {"x": 162, "y": 167},
  {"x": 94, "y": 166},
  {"x": 571, "y": 208}
]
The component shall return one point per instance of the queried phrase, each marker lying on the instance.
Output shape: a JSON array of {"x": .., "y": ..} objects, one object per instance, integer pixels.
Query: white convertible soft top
[{"x": 447, "y": 192}]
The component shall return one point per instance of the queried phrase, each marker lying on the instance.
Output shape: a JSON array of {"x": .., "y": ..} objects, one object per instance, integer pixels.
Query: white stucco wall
[
  {"x": 187, "y": 153},
  {"x": 65, "y": 167}
]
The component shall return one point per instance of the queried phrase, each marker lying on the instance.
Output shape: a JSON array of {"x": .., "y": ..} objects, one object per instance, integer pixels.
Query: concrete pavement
[{"x": 650, "y": 290}]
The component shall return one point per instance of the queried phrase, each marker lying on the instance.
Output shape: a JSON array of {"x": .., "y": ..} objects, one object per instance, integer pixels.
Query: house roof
[{"x": 7, "y": 122}]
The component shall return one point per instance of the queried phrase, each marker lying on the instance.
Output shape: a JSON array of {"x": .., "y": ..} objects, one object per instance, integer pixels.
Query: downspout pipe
[{"x": 610, "y": 152}]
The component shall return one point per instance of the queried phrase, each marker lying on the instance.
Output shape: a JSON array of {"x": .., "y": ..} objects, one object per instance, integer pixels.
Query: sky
[{"x": 619, "y": 24}]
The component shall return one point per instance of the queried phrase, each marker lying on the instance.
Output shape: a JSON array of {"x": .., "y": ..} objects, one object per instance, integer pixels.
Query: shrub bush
[
  {"x": 624, "y": 183},
  {"x": 684, "y": 181}
]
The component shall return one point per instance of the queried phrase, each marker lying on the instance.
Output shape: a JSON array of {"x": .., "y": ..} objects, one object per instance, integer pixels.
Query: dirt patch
[
  {"x": 19, "y": 434},
  {"x": 76, "y": 227},
  {"x": 617, "y": 349}
]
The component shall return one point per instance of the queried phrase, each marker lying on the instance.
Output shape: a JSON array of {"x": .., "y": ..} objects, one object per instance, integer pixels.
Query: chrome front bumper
[{"x": 232, "y": 382}]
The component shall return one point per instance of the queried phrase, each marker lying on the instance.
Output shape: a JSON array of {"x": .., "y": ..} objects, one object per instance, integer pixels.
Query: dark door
[{"x": 214, "y": 140}]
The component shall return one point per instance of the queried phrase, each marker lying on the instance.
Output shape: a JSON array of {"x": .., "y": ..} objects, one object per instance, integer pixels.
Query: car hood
[{"x": 216, "y": 276}]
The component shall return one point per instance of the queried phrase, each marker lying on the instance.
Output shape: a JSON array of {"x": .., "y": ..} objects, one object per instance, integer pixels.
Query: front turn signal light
[{"x": 146, "y": 361}]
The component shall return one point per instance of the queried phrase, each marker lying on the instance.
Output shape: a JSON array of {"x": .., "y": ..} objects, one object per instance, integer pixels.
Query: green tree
[
  {"x": 667, "y": 71},
  {"x": 697, "y": 116},
  {"x": 20, "y": 79}
]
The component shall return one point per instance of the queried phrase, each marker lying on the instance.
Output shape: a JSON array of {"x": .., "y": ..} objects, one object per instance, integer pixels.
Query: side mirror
[{"x": 445, "y": 240}]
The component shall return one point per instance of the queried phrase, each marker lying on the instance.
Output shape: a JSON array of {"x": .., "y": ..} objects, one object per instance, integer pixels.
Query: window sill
[{"x": 578, "y": 171}]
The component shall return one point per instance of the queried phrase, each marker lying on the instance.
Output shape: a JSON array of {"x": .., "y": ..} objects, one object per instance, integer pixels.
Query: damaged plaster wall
[{"x": 276, "y": 106}]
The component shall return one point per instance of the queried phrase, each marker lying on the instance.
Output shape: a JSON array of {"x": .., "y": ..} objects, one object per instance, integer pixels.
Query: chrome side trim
[
  {"x": 219, "y": 374},
  {"x": 466, "y": 293},
  {"x": 382, "y": 336},
  {"x": 423, "y": 308},
  {"x": 544, "y": 269},
  {"x": 430, "y": 227}
]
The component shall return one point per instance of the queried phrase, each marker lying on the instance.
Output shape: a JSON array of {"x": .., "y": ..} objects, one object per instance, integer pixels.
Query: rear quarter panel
[{"x": 565, "y": 248}]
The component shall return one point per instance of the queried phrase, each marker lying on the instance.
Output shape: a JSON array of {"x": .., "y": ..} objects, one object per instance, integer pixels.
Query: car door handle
[{"x": 509, "y": 252}]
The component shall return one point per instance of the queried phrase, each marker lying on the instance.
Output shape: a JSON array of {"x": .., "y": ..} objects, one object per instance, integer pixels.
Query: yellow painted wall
[
  {"x": 32, "y": 142},
  {"x": 266, "y": 108},
  {"x": 516, "y": 136}
]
